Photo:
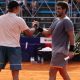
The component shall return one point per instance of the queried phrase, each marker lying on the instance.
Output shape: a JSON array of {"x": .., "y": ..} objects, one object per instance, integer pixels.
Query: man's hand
[
  {"x": 69, "y": 56},
  {"x": 35, "y": 24}
]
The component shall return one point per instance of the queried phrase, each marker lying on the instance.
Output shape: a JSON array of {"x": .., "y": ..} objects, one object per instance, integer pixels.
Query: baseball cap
[{"x": 13, "y": 4}]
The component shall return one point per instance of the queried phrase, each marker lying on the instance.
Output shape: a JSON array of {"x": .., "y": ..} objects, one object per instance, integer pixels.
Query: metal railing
[{"x": 46, "y": 20}]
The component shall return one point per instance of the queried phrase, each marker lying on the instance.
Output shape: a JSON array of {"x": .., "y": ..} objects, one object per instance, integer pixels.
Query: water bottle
[
  {"x": 42, "y": 60},
  {"x": 32, "y": 59}
]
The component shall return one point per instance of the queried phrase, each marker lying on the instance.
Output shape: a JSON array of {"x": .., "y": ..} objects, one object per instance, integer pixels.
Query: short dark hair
[
  {"x": 63, "y": 4},
  {"x": 12, "y": 4}
]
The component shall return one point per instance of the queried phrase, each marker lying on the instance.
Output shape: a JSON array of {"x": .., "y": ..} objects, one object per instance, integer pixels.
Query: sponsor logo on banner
[{"x": 45, "y": 40}]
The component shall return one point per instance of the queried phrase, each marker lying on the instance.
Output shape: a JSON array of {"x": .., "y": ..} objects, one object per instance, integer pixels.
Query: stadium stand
[{"x": 2, "y": 6}]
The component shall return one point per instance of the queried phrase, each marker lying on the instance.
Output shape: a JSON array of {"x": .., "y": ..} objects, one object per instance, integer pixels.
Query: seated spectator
[{"x": 33, "y": 7}]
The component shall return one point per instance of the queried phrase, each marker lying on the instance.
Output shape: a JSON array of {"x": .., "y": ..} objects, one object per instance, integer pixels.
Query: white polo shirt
[{"x": 10, "y": 28}]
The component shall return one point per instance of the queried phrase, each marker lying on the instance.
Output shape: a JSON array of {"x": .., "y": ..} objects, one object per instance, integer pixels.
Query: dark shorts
[
  {"x": 11, "y": 55},
  {"x": 58, "y": 60}
]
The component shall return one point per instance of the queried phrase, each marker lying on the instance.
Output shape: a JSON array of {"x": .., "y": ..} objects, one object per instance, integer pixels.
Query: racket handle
[{"x": 66, "y": 58}]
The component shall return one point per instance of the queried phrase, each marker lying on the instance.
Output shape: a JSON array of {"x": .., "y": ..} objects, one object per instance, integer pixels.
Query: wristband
[
  {"x": 39, "y": 29},
  {"x": 71, "y": 48}
]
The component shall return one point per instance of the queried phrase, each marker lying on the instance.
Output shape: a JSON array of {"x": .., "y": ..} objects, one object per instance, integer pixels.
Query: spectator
[{"x": 34, "y": 6}]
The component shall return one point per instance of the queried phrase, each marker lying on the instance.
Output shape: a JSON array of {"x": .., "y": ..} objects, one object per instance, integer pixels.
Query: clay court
[
  {"x": 45, "y": 12},
  {"x": 34, "y": 71}
]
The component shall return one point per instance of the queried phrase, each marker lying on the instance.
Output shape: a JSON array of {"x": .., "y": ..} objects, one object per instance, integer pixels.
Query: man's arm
[
  {"x": 71, "y": 37},
  {"x": 72, "y": 43},
  {"x": 47, "y": 32},
  {"x": 29, "y": 31}
]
